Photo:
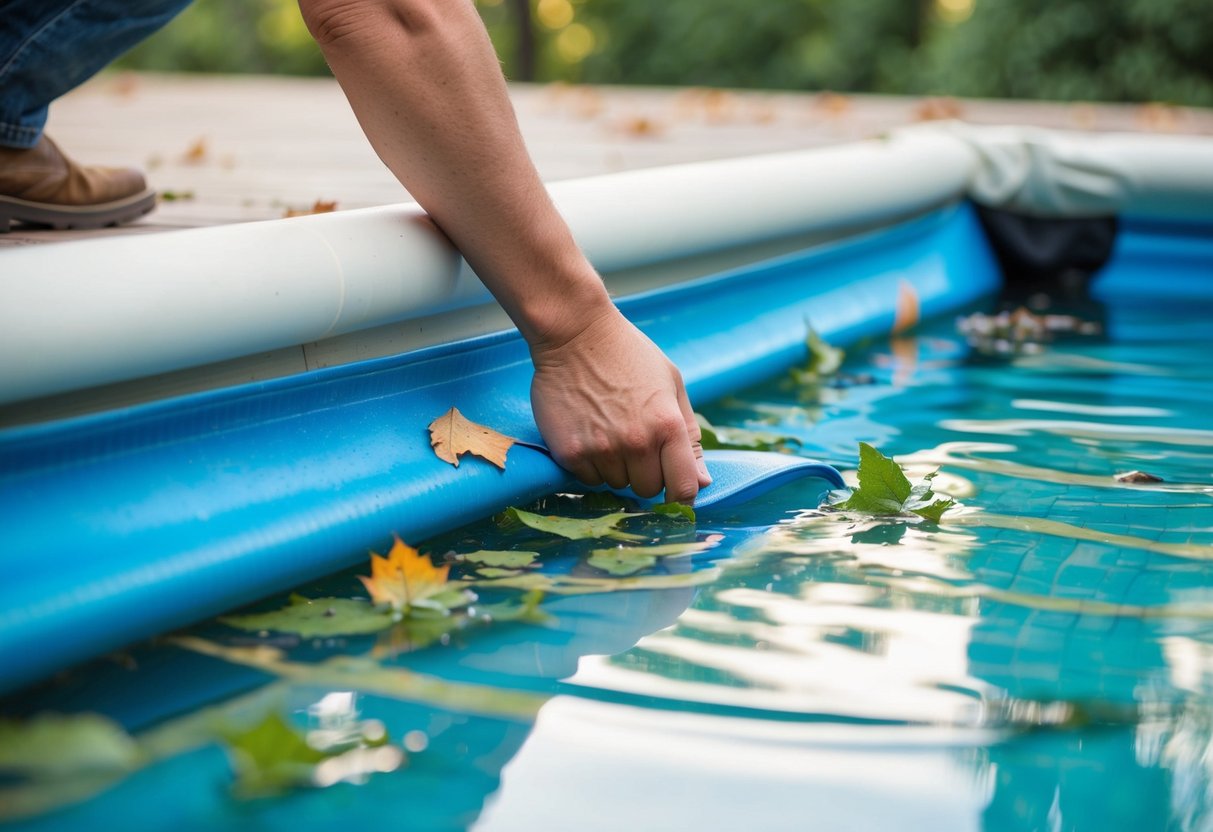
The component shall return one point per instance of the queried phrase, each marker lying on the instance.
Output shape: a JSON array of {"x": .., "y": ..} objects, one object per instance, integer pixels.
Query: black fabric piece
[{"x": 1051, "y": 257}]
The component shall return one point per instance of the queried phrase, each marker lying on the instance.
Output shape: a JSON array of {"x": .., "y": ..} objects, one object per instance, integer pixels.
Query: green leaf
[
  {"x": 620, "y": 562},
  {"x": 527, "y": 610},
  {"x": 270, "y": 758},
  {"x": 717, "y": 437},
  {"x": 444, "y": 602},
  {"x": 498, "y": 572},
  {"x": 883, "y": 488},
  {"x": 935, "y": 510},
  {"x": 318, "y": 618},
  {"x": 574, "y": 528},
  {"x": 502, "y": 559},
  {"x": 885, "y": 491},
  {"x": 676, "y": 511},
  {"x": 55, "y": 745},
  {"x": 824, "y": 359}
]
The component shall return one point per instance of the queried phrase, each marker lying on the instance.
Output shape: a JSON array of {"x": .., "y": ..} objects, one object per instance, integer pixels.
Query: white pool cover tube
[
  {"x": 84, "y": 313},
  {"x": 1053, "y": 173},
  {"x": 80, "y": 314}
]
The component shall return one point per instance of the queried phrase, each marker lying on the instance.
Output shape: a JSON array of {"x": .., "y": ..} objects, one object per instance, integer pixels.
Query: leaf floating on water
[
  {"x": 57, "y": 745},
  {"x": 620, "y": 562},
  {"x": 501, "y": 559},
  {"x": 573, "y": 528},
  {"x": 527, "y": 610},
  {"x": 270, "y": 758},
  {"x": 907, "y": 312},
  {"x": 885, "y": 491},
  {"x": 676, "y": 511},
  {"x": 498, "y": 572},
  {"x": 1137, "y": 477},
  {"x": 318, "y": 618},
  {"x": 406, "y": 580},
  {"x": 274, "y": 757},
  {"x": 717, "y": 437},
  {"x": 452, "y": 434}
]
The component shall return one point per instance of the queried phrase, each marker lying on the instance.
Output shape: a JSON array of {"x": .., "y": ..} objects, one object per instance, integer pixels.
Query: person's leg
[{"x": 48, "y": 47}]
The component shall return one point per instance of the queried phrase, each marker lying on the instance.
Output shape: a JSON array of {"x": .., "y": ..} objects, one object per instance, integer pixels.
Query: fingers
[{"x": 694, "y": 434}]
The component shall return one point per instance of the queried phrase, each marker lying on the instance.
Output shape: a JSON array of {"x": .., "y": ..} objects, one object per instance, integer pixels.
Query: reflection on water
[{"x": 1043, "y": 659}]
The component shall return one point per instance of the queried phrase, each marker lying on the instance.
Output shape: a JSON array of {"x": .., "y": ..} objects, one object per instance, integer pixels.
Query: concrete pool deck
[{"x": 225, "y": 149}]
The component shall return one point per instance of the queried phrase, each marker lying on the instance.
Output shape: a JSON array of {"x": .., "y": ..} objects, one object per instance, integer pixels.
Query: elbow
[{"x": 338, "y": 23}]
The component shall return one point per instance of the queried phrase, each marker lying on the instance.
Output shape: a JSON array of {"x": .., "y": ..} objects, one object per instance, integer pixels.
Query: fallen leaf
[
  {"x": 716, "y": 437},
  {"x": 492, "y": 572},
  {"x": 317, "y": 618},
  {"x": 1159, "y": 117},
  {"x": 1137, "y": 476},
  {"x": 628, "y": 560},
  {"x": 273, "y": 757},
  {"x": 499, "y": 559},
  {"x": 406, "y": 580},
  {"x": 620, "y": 562},
  {"x": 832, "y": 104},
  {"x": 824, "y": 359},
  {"x": 640, "y": 127},
  {"x": 57, "y": 745},
  {"x": 907, "y": 312},
  {"x": 573, "y": 528},
  {"x": 675, "y": 511},
  {"x": 196, "y": 153},
  {"x": 452, "y": 434},
  {"x": 885, "y": 491},
  {"x": 320, "y": 206},
  {"x": 938, "y": 109}
]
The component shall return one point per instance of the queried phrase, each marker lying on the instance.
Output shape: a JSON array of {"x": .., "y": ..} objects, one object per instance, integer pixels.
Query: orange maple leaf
[
  {"x": 453, "y": 434},
  {"x": 404, "y": 577}
]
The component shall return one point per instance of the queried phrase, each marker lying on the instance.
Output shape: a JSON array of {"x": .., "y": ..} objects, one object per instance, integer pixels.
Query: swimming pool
[
  {"x": 992, "y": 672},
  {"x": 988, "y": 672}
]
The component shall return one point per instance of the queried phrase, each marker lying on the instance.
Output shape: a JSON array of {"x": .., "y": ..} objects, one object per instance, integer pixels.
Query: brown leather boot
[{"x": 41, "y": 186}]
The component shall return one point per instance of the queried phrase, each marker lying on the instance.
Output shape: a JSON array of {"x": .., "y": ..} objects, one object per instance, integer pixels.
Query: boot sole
[{"x": 64, "y": 217}]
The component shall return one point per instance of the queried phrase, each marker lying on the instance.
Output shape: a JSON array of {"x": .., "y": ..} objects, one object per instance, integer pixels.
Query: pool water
[{"x": 1041, "y": 659}]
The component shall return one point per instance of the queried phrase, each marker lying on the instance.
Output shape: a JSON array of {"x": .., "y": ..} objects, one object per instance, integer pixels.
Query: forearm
[{"x": 425, "y": 84}]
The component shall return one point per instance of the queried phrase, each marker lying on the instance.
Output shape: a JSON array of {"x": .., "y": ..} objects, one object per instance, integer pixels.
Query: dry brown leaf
[
  {"x": 320, "y": 206},
  {"x": 197, "y": 153},
  {"x": 1158, "y": 117},
  {"x": 452, "y": 434},
  {"x": 908, "y": 307},
  {"x": 832, "y": 104},
  {"x": 938, "y": 109},
  {"x": 641, "y": 127},
  {"x": 1137, "y": 477}
]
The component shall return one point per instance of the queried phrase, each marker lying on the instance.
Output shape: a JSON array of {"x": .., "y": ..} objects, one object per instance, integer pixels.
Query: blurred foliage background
[{"x": 1070, "y": 50}]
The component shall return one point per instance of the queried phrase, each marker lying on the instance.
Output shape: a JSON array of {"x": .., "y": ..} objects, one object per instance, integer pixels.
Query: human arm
[{"x": 425, "y": 84}]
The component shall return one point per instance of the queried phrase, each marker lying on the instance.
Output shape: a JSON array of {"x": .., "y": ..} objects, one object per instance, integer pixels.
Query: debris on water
[
  {"x": 1137, "y": 477},
  {"x": 1020, "y": 332}
]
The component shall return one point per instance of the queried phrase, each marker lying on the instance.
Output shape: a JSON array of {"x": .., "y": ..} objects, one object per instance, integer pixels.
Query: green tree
[{"x": 1096, "y": 50}]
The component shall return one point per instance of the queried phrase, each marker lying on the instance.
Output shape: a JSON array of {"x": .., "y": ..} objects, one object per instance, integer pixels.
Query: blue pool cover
[{"x": 125, "y": 524}]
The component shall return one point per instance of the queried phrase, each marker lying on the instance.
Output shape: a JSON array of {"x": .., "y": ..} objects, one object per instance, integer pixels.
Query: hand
[{"x": 613, "y": 409}]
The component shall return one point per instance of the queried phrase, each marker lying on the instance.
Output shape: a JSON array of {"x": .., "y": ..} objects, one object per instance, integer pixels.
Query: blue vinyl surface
[{"x": 122, "y": 525}]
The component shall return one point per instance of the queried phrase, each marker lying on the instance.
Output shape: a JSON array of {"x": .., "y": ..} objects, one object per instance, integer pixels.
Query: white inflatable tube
[{"x": 85, "y": 313}]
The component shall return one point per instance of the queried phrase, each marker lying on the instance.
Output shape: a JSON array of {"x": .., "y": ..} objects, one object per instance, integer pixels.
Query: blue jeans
[{"x": 48, "y": 47}]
